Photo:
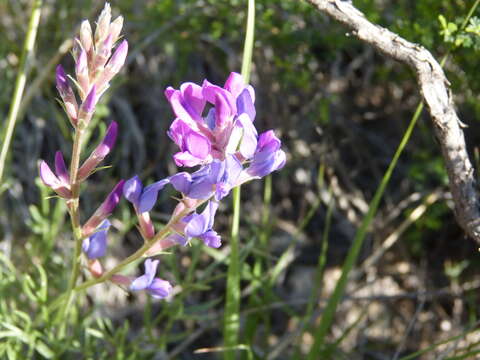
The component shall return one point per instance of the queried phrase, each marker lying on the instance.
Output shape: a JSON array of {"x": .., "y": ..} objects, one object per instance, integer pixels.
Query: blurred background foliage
[{"x": 340, "y": 109}]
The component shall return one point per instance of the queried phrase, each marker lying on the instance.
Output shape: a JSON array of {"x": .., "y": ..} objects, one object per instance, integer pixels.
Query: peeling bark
[{"x": 436, "y": 94}]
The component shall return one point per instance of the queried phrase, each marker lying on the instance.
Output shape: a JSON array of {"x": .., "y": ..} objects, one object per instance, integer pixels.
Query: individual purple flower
[
  {"x": 95, "y": 246},
  {"x": 156, "y": 287},
  {"x": 200, "y": 226},
  {"x": 268, "y": 157},
  {"x": 142, "y": 198},
  {"x": 100, "y": 152},
  {"x": 58, "y": 181},
  {"x": 104, "y": 210}
]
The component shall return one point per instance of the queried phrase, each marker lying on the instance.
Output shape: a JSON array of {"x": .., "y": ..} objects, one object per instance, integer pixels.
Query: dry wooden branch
[{"x": 435, "y": 90}]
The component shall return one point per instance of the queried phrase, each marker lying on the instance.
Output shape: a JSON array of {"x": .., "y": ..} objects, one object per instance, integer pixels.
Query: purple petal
[
  {"x": 201, "y": 189},
  {"x": 181, "y": 182},
  {"x": 140, "y": 283},
  {"x": 186, "y": 159},
  {"x": 132, "y": 190},
  {"x": 169, "y": 92},
  {"x": 61, "y": 168},
  {"x": 150, "y": 195},
  {"x": 200, "y": 224},
  {"x": 211, "y": 239},
  {"x": 177, "y": 132},
  {"x": 181, "y": 109},
  {"x": 196, "y": 226},
  {"x": 90, "y": 101},
  {"x": 198, "y": 145},
  {"x": 151, "y": 269},
  {"x": 235, "y": 84},
  {"x": 268, "y": 141},
  {"x": 112, "y": 199},
  {"x": 96, "y": 245},
  {"x": 193, "y": 97},
  {"x": 47, "y": 175},
  {"x": 179, "y": 239},
  {"x": 223, "y": 100},
  {"x": 61, "y": 80},
  {"x": 108, "y": 141},
  {"x": 118, "y": 58},
  {"x": 159, "y": 288},
  {"x": 245, "y": 105}
]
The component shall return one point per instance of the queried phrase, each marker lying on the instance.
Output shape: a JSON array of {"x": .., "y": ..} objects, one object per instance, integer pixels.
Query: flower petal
[
  {"x": 132, "y": 190},
  {"x": 150, "y": 195},
  {"x": 160, "y": 288},
  {"x": 211, "y": 239}
]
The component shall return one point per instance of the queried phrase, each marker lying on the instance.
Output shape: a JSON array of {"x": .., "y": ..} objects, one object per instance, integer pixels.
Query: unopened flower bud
[
  {"x": 86, "y": 35},
  {"x": 66, "y": 93},
  {"x": 118, "y": 57},
  {"x": 103, "y": 24},
  {"x": 115, "y": 28},
  {"x": 90, "y": 101},
  {"x": 103, "y": 53},
  {"x": 100, "y": 152},
  {"x": 104, "y": 210},
  {"x": 61, "y": 168},
  {"x": 81, "y": 71}
]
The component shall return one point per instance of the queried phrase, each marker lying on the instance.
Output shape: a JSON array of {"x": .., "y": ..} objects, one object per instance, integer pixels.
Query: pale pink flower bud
[
  {"x": 116, "y": 28},
  {"x": 114, "y": 65},
  {"x": 103, "y": 25},
  {"x": 118, "y": 57},
  {"x": 81, "y": 71},
  {"x": 86, "y": 35},
  {"x": 103, "y": 53}
]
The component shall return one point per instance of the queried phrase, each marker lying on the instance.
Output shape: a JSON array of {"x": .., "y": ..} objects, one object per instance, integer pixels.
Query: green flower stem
[
  {"x": 232, "y": 301},
  {"x": 20, "y": 82},
  {"x": 140, "y": 252}
]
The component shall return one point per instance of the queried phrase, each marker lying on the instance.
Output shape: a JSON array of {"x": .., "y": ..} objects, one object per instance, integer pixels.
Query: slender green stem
[
  {"x": 20, "y": 82},
  {"x": 249, "y": 39},
  {"x": 232, "y": 302},
  {"x": 330, "y": 309}
]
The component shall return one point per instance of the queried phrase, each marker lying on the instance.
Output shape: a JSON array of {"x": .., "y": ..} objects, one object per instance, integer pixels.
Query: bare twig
[{"x": 435, "y": 90}]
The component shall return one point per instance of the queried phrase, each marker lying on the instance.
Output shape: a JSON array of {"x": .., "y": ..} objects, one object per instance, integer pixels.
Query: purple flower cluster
[{"x": 214, "y": 129}]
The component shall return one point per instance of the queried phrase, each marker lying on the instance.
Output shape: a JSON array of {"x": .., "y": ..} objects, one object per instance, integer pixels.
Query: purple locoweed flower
[
  {"x": 142, "y": 198},
  {"x": 200, "y": 226},
  {"x": 222, "y": 131},
  {"x": 156, "y": 287},
  {"x": 104, "y": 210},
  {"x": 58, "y": 181},
  {"x": 95, "y": 246},
  {"x": 268, "y": 156},
  {"x": 143, "y": 201},
  {"x": 100, "y": 152}
]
